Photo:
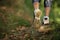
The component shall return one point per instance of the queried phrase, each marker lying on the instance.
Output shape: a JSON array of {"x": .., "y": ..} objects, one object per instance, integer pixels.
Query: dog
[
  {"x": 37, "y": 13},
  {"x": 37, "y": 16}
]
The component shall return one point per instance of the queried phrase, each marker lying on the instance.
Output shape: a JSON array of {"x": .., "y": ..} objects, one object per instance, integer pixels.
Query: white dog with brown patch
[{"x": 38, "y": 13}]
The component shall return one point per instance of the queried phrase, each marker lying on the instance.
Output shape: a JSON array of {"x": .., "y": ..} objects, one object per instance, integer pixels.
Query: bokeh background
[{"x": 16, "y": 15}]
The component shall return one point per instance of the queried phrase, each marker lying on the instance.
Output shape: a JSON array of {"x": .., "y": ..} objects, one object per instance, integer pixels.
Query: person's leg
[
  {"x": 37, "y": 11},
  {"x": 47, "y": 5},
  {"x": 37, "y": 14},
  {"x": 36, "y": 4}
]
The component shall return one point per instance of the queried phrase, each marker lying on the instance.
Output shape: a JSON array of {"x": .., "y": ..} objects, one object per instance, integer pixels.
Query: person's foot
[{"x": 46, "y": 20}]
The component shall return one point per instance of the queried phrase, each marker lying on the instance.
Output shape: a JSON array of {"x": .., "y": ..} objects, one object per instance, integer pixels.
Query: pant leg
[
  {"x": 47, "y": 3},
  {"x": 36, "y": 1}
]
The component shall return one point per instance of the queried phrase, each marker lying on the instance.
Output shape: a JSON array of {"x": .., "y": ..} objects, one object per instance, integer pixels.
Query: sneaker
[
  {"x": 46, "y": 20},
  {"x": 37, "y": 13}
]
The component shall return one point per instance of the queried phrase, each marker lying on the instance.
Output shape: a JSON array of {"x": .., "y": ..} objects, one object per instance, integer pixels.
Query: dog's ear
[{"x": 40, "y": 12}]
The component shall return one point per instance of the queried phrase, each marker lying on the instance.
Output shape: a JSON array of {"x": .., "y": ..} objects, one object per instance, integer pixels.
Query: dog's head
[{"x": 38, "y": 14}]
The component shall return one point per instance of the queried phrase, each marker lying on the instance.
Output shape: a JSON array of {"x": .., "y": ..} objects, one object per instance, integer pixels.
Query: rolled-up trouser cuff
[{"x": 36, "y": 1}]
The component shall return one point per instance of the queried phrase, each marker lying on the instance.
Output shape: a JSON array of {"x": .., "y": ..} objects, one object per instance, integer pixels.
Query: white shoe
[
  {"x": 46, "y": 20},
  {"x": 37, "y": 13}
]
